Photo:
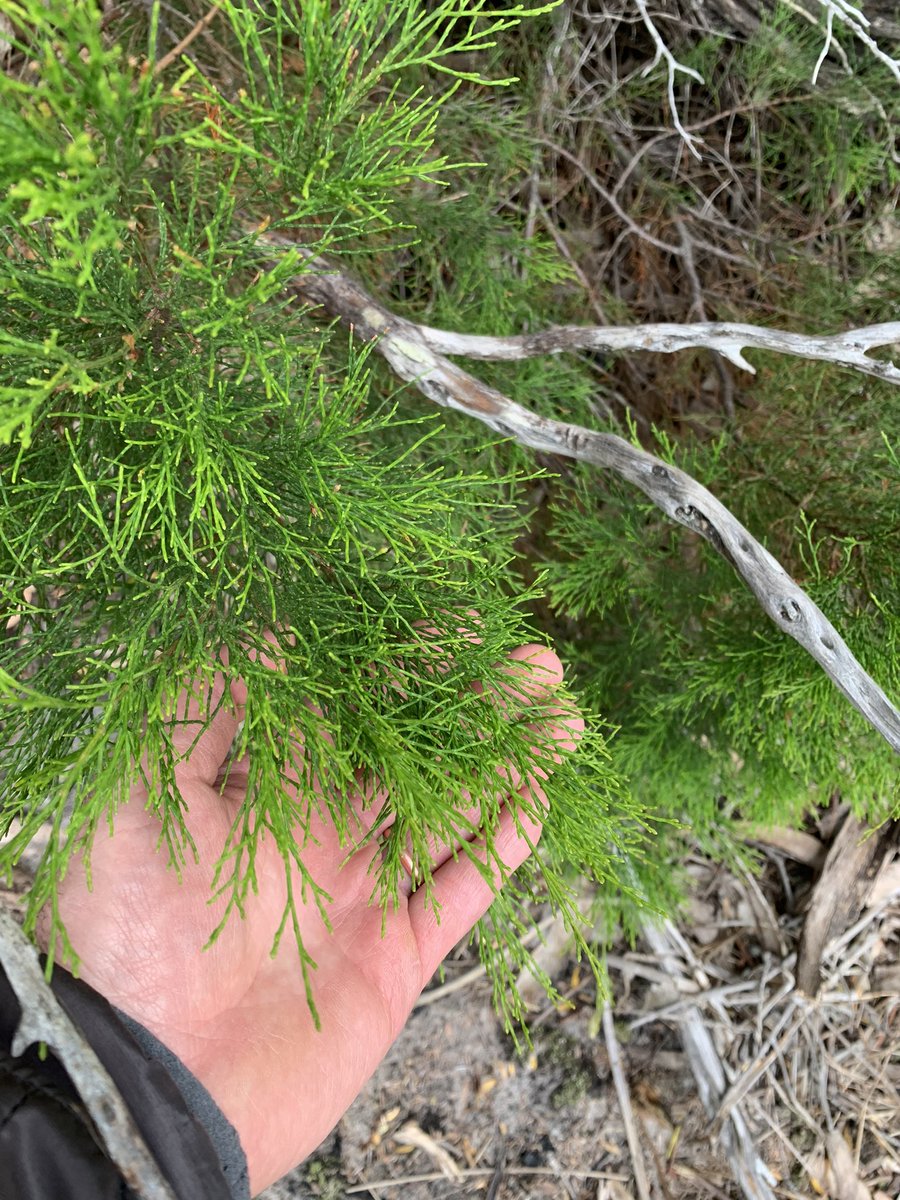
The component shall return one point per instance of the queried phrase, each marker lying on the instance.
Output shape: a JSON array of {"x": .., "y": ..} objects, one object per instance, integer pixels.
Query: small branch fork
[
  {"x": 858, "y": 23},
  {"x": 43, "y": 1020},
  {"x": 846, "y": 14},
  {"x": 415, "y": 355},
  {"x": 728, "y": 339},
  {"x": 673, "y": 67}
]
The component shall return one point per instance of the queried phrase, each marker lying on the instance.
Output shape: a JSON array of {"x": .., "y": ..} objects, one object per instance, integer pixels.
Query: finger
[
  {"x": 535, "y": 672},
  {"x": 530, "y": 674},
  {"x": 202, "y": 751},
  {"x": 461, "y": 895}
]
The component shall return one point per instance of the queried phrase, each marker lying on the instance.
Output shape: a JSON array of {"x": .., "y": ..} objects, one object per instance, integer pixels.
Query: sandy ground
[
  {"x": 811, "y": 1085},
  {"x": 502, "y": 1124}
]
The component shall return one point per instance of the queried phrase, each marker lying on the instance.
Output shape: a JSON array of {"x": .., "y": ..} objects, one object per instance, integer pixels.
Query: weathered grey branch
[
  {"x": 848, "y": 349},
  {"x": 43, "y": 1020},
  {"x": 852, "y": 16},
  {"x": 848, "y": 16},
  {"x": 410, "y": 352},
  {"x": 673, "y": 68},
  {"x": 620, "y": 1082}
]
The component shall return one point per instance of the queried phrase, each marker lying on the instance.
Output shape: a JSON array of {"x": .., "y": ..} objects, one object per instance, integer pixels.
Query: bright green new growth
[{"x": 190, "y": 459}]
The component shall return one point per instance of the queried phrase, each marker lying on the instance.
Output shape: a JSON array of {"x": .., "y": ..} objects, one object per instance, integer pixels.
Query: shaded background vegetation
[{"x": 591, "y": 208}]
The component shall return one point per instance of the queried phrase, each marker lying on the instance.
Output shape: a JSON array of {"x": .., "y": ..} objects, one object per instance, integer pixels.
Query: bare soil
[
  {"x": 538, "y": 1124},
  {"x": 456, "y": 1110}
]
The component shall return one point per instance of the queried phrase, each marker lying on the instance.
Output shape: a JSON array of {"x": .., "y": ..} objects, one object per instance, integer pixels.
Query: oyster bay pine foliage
[{"x": 190, "y": 457}]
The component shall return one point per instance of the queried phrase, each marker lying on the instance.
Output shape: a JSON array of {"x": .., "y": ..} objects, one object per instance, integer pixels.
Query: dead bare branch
[
  {"x": 43, "y": 1020},
  {"x": 854, "y": 19},
  {"x": 673, "y": 68},
  {"x": 729, "y": 339},
  {"x": 641, "y": 1181},
  {"x": 176, "y": 51},
  {"x": 409, "y": 350}
]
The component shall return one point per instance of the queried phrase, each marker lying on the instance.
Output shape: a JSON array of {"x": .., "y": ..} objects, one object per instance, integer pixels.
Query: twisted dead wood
[
  {"x": 730, "y": 339},
  {"x": 411, "y": 352}
]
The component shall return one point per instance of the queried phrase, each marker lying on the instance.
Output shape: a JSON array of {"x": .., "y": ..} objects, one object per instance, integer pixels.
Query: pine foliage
[{"x": 189, "y": 458}]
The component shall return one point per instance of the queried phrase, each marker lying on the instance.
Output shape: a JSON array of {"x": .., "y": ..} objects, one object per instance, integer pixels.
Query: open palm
[{"x": 235, "y": 1015}]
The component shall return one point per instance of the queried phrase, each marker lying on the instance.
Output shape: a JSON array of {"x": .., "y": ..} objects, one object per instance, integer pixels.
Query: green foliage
[
  {"x": 189, "y": 458},
  {"x": 720, "y": 715},
  {"x": 720, "y": 719}
]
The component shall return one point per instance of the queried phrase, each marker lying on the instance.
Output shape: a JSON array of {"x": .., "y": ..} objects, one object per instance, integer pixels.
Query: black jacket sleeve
[{"x": 49, "y": 1149}]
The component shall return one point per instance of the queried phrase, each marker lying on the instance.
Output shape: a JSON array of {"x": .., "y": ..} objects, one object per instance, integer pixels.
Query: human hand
[{"x": 238, "y": 1017}]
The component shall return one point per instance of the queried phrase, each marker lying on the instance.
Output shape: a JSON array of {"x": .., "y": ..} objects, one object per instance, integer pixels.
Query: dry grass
[{"x": 811, "y": 1086}]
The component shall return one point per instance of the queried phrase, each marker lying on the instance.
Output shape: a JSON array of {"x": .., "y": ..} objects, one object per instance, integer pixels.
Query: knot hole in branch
[
  {"x": 695, "y": 519},
  {"x": 789, "y": 610}
]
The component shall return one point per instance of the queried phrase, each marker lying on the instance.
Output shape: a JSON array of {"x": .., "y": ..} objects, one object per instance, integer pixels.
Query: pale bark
[
  {"x": 850, "y": 349},
  {"x": 410, "y": 351}
]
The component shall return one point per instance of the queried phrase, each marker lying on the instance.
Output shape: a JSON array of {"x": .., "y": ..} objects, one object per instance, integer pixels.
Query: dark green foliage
[{"x": 721, "y": 717}]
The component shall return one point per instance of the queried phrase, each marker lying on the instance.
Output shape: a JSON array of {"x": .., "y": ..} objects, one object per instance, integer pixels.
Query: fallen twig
[
  {"x": 486, "y": 1173},
  {"x": 204, "y": 23},
  {"x": 414, "y": 1136},
  {"x": 43, "y": 1020},
  {"x": 641, "y": 1182},
  {"x": 800, "y": 846},
  {"x": 753, "y": 1176}
]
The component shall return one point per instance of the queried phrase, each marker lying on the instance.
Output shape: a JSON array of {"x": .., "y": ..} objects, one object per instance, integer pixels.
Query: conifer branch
[
  {"x": 43, "y": 1019},
  {"x": 410, "y": 351}
]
